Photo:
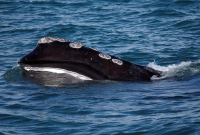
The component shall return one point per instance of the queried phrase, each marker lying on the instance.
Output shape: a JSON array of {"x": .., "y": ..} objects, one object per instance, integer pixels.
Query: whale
[{"x": 78, "y": 61}]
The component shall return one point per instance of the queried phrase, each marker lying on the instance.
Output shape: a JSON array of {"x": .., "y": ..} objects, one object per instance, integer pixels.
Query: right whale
[{"x": 59, "y": 53}]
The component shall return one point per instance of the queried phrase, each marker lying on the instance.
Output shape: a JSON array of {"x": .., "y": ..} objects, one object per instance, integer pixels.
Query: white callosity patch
[
  {"x": 104, "y": 56},
  {"x": 58, "y": 71},
  {"x": 51, "y": 39},
  {"x": 117, "y": 61},
  {"x": 93, "y": 49},
  {"x": 75, "y": 45}
]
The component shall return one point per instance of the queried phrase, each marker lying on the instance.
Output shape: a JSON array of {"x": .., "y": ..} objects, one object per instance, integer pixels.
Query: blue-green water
[{"x": 164, "y": 35}]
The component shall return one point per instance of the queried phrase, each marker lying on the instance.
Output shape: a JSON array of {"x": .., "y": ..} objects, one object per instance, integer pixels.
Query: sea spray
[{"x": 176, "y": 70}]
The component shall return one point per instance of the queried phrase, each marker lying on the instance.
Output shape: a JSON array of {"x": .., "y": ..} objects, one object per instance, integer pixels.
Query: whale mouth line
[
  {"x": 75, "y": 68},
  {"x": 44, "y": 61},
  {"x": 57, "y": 71}
]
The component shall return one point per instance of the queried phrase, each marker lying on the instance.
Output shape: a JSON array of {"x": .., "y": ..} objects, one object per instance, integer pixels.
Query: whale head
[{"x": 60, "y": 53}]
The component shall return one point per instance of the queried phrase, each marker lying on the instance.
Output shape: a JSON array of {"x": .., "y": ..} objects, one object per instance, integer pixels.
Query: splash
[{"x": 176, "y": 70}]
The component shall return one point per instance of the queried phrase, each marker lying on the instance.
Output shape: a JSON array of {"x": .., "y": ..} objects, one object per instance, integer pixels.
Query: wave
[{"x": 176, "y": 70}]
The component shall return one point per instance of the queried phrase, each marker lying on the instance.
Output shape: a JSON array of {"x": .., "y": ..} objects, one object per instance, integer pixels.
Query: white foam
[
  {"x": 58, "y": 71},
  {"x": 175, "y": 70}
]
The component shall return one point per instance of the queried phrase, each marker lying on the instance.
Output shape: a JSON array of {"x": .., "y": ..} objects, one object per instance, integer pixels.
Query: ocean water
[{"x": 164, "y": 35}]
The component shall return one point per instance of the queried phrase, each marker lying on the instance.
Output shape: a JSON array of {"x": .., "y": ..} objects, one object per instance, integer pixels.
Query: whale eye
[
  {"x": 104, "y": 56},
  {"x": 117, "y": 61},
  {"x": 75, "y": 45}
]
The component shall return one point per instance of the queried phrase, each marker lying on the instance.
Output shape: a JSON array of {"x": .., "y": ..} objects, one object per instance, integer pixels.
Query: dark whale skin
[{"x": 61, "y": 53}]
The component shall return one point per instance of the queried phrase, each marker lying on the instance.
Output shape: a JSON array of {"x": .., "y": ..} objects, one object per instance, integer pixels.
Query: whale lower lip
[
  {"x": 72, "y": 68},
  {"x": 58, "y": 71}
]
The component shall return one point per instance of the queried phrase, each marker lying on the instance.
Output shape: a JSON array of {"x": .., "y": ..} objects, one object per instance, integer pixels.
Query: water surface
[{"x": 164, "y": 35}]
